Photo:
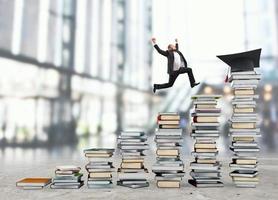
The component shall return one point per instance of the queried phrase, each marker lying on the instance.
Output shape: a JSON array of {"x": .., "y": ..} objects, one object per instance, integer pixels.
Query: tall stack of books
[
  {"x": 243, "y": 124},
  {"x": 67, "y": 177},
  {"x": 132, "y": 172},
  {"x": 100, "y": 167},
  {"x": 205, "y": 169},
  {"x": 243, "y": 129},
  {"x": 169, "y": 168}
]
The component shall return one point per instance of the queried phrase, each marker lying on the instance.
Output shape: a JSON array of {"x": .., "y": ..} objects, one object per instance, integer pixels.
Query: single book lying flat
[{"x": 34, "y": 183}]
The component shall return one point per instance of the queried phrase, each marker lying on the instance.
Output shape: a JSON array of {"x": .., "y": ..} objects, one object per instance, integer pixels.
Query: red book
[{"x": 195, "y": 119}]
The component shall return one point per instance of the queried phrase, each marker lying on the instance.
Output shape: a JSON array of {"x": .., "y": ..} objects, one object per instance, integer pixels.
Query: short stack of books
[
  {"x": 67, "y": 177},
  {"x": 132, "y": 172},
  {"x": 205, "y": 169},
  {"x": 243, "y": 129},
  {"x": 169, "y": 168},
  {"x": 100, "y": 167},
  {"x": 33, "y": 183}
]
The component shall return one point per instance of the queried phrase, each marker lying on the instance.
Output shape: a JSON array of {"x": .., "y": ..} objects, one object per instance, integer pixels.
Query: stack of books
[
  {"x": 243, "y": 128},
  {"x": 132, "y": 172},
  {"x": 67, "y": 177},
  {"x": 169, "y": 168},
  {"x": 205, "y": 169},
  {"x": 33, "y": 183},
  {"x": 100, "y": 167}
]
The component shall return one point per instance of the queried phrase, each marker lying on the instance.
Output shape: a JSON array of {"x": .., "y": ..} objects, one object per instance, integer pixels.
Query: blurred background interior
[{"x": 74, "y": 73}]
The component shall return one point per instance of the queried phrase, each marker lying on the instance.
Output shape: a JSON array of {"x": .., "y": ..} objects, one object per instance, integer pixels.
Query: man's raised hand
[{"x": 176, "y": 40}]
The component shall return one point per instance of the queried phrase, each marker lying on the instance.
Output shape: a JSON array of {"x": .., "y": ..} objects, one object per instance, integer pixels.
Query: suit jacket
[{"x": 170, "y": 57}]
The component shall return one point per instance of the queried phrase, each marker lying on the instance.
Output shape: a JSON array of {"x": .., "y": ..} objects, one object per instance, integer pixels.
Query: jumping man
[{"x": 176, "y": 65}]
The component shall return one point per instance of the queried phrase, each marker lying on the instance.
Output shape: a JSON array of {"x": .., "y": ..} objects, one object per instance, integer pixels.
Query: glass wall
[{"x": 71, "y": 69}]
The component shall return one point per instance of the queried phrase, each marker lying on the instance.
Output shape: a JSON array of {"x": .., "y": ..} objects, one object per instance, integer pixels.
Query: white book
[
  {"x": 68, "y": 168},
  {"x": 245, "y": 130},
  {"x": 255, "y": 96},
  {"x": 243, "y": 166},
  {"x": 246, "y": 150},
  {"x": 245, "y": 135},
  {"x": 134, "y": 147},
  {"x": 213, "y": 168},
  {"x": 239, "y": 86},
  {"x": 166, "y": 132},
  {"x": 245, "y": 115},
  {"x": 132, "y": 133},
  {"x": 168, "y": 113},
  {"x": 206, "y": 114},
  {"x": 244, "y": 77},
  {"x": 130, "y": 176},
  {"x": 244, "y": 72},
  {"x": 245, "y": 82},
  {"x": 198, "y": 102},
  {"x": 243, "y": 120},
  {"x": 237, "y": 102},
  {"x": 158, "y": 167},
  {"x": 245, "y": 144},
  {"x": 205, "y": 124},
  {"x": 161, "y": 178}
]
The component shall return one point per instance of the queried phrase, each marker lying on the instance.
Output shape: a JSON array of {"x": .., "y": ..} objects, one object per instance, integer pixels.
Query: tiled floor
[{"x": 18, "y": 164}]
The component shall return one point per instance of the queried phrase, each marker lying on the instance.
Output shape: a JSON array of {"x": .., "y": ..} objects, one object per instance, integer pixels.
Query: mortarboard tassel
[
  {"x": 226, "y": 79},
  {"x": 227, "y": 76}
]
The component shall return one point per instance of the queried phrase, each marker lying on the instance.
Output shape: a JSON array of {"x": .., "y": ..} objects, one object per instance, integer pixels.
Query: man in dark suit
[{"x": 176, "y": 65}]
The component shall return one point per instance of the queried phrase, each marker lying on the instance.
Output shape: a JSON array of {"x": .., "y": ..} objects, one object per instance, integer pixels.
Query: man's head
[{"x": 171, "y": 47}]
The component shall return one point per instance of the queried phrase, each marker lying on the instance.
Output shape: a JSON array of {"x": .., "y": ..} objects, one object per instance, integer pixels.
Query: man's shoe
[
  {"x": 154, "y": 88},
  {"x": 195, "y": 84}
]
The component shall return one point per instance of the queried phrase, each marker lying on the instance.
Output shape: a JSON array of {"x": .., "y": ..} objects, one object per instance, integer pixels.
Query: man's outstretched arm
[
  {"x": 164, "y": 53},
  {"x": 177, "y": 45}
]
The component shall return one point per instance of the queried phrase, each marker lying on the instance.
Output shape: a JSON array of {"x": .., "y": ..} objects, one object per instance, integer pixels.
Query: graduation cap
[{"x": 245, "y": 61}]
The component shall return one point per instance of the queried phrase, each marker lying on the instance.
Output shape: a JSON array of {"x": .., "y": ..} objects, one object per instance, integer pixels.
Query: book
[
  {"x": 204, "y": 106},
  {"x": 251, "y": 72},
  {"x": 167, "y": 167},
  {"x": 168, "y": 184},
  {"x": 168, "y": 117},
  {"x": 132, "y": 133},
  {"x": 169, "y": 126},
  {"x": 98, "y": 155},
  {"x": 100, "y": 175},
  {"x": 134, "y": 165},
  {"x": 208, "y": 97},
  {"x": 238, "y": 173},
  {"x": 168, "y": 122},
  {"x": 245, "y": 179},
  {"x": 205, "y": 145},
  {"x": 99, "y": 150},
  {"x": 33, "y": 183},
  {"x": 167, "y": 152},
  {"x": 240, "y": 92},
  {"x": 67, "y": 168},
  {"x": 205, "y": 119},
  {"x": 66, "y": 186},
  {"x": 243, "y": 125},
  {"x": 242, "y": 161},
  {"x": 205, "y": 185},
  {"x": 168, "y": 132}
]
